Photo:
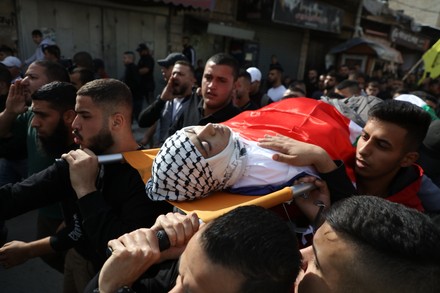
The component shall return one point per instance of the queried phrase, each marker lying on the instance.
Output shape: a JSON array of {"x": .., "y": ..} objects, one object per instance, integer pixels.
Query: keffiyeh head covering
[{"x": 180, "y": 172}]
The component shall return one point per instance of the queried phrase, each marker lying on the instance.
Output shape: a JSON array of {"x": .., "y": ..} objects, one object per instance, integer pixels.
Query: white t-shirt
[{"x": 275, "y": 94}]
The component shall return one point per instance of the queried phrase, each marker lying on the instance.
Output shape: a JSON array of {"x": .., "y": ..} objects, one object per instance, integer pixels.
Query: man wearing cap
[
  {"x": 277, "y": 90},
  {"x": 155, "y": 115},
  {"x": 146, "y": 70},
  {"x": 255, "y": 94},
  {"x": 167, "y": 64},
  {"x": 14, "y": 66},
  {"x": 172, "y": 102}
]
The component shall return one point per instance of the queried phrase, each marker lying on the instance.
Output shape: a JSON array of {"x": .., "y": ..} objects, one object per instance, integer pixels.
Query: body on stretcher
[{"x": 217, "y": 203}]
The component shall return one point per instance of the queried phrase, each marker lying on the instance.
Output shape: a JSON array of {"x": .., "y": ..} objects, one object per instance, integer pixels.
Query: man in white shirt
[{"x": 277, "y": 90}]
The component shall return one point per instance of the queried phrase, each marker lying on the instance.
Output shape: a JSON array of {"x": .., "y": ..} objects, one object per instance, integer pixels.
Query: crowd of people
[{"x": 374, "y": 211}]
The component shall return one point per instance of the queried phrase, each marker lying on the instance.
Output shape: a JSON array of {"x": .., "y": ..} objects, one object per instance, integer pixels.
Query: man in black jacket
[
  {"x": 99, "y": 202},
  {"x": 218, "y": 86}
]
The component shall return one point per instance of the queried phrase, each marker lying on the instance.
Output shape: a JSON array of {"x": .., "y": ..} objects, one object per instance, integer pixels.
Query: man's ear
[
  {"x": 68, "y": 117},
  {"x": 117, "y": 121},
  {"x": 409, "y": 159}
]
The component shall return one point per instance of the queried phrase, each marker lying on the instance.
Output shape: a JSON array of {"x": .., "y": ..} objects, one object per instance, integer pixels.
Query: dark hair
[
  {"x": 85, "y": 75},
  {"x": 373, "y": 83},
  {"x": 396, "y": 248},
  {"x": 351, "y": 85},
  {"x": 410, "y": 117},
  {"x": 401, "y": 91},
  {"x": 83, "y": 59},
  {"x": 109, "y": 93},
  {"x": 6, "y": 49},
  {"x": 297, "y": 86},
  {"x": 243, "y": 73},
  {"x": 37, "y": 33},
  {"x": 60, "y": 95},
  {"x": 129, "y": 53},
  {"x": 98, "y": 64},
  {"x": 348, "y": 83},
  {"x": 256, "y": 244},
  {"x": 336, "y": 75},
  {"x": 224, "y": 59},
  {"x": 186, "y": 63},
  {"x": 54, "y": 50},
  {"x": 54, "y": 70},
  {"x": 5, "y": 75}
]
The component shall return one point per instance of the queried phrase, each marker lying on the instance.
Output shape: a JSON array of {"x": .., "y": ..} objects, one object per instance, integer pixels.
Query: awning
[
  {"x": 203, "y": 4},
  {"x": 383, "y": 51}
]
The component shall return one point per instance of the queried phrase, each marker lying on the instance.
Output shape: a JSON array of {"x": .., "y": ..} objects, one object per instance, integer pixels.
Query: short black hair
[
  {"x": 257, "y": 244},
  {"x": 83, "y": 59},
  {"x": 110, "y": 94},
  {"x": 5, "y": 75},
  {"x": 60, "y": 95},
  {"x": 336, "y": 75},
  {"x": 347, "y": 83},
  {"x": 54, "y": 70},
  {"x": 410, "y": 117},
  {"x": 6, "y": 49},
  {"x": 225, "y": 59},
  {"x": 396, "y": 247},
  {"x": 186, "y": 63},
  {"x": 54, "y": 50},
  {"x": 37, "y": 32},
  {"x": 243, "y": 73},
  {"x": 85, "y": 75}
]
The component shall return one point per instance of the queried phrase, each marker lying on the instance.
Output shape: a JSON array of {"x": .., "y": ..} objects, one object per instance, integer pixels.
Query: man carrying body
[
  {"x": 385, "y": 155},
  {"x": 99, "y": 202},
  {"x": 370, "y": 245},
  {"x": 249, "y": 249}
]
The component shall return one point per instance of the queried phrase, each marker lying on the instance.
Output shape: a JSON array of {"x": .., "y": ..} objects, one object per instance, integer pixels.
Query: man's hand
[
  {"x": 298, "y": 153},
  {"x": 135, "y": 252},
  {"x": 14, "y": 253},
  {"x": 132, "y": 255},
  {"x": 309, "y": 205},
  {"x": 83, "y": 168},
  {"x": 168, "y": 91},
  {"x": 16, "y": 100},
  {"x": 179, "y": 228}
]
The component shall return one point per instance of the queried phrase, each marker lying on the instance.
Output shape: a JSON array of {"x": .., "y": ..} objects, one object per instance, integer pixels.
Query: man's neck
[
  {"x": 276, "y": 84},
  {"x": 209, "y": 111},
  {"x": 375, "y": 186},
  {"x": 123, "y": 144},
  {"x": 243, "y": 101}
]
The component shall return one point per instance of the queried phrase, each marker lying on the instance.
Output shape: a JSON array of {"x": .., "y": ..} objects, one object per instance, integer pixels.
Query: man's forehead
[
  {"x": 84, "y": 102},
  {"x": 42, "y": 106},
  {"x": 213, "y": 67}
]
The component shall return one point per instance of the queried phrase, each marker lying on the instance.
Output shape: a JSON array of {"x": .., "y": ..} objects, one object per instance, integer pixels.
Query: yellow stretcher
[{"x": 216, "y": 204}]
